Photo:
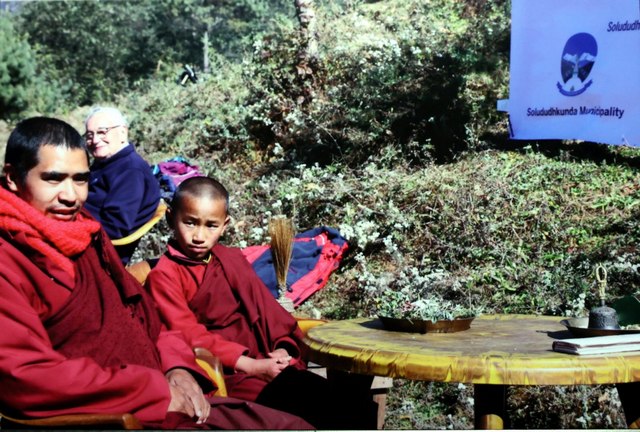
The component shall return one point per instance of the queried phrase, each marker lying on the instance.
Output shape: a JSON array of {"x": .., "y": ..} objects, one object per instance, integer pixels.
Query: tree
[
  {"x": 17, "y": 70},
  {"x": 104, "y": 47},
  {"x": 307, "y": 61},
  {"x": 97, "y": 45}
]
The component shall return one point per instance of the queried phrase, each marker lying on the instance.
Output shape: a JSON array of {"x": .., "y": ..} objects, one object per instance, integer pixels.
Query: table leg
[{"x": 490, "y": 406}]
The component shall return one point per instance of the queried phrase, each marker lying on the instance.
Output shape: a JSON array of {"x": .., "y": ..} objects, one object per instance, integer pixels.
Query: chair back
[{"x": 137, "y": 234}]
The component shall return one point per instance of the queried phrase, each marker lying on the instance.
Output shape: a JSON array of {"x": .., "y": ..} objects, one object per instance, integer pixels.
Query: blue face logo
[{"x": 578, "y": 58}]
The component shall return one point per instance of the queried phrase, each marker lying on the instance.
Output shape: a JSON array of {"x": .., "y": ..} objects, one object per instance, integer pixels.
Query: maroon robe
[
  {"x": 233, "y": 302},
  {"x": 113, "y": 323}
]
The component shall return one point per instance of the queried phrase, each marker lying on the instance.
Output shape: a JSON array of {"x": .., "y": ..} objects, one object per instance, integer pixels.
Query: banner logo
[{"x": 578, "y": 58}]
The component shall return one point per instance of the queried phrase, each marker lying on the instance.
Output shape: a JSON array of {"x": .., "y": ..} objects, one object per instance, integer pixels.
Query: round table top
[{"x": 497, "y": 349}]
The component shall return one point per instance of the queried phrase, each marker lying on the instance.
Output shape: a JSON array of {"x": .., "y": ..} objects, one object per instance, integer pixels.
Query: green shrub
[
  {"x": 103, "y": 48},
  {"x": 511, "y": 232},
  {"x": 194, "y": 120},
  {"x": 24, "y": 90},
  {"x": 17, "y": 70}
]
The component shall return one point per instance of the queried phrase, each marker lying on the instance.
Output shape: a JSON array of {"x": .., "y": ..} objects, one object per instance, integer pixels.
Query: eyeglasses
[{"x": 100, "y": 133}]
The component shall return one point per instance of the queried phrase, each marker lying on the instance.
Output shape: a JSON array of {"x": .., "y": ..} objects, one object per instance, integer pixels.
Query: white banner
[{"x": 575, "y": 70}]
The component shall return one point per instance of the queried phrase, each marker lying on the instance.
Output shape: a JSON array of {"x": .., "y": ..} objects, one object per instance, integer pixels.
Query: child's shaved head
[{"x": 200, "y": 187}]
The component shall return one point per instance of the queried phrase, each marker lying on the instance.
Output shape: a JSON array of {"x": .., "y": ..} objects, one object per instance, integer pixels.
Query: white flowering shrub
[{"x": 410, "y": 293}]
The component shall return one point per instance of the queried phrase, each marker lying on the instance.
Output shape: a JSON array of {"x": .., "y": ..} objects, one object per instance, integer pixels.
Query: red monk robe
[
  {"x": 76, "y": 338},
  {"x": 223, "y": 306},
  {"x": 228, "y": 317}
]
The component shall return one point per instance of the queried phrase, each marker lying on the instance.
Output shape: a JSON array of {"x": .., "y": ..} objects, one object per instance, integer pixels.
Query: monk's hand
[
  {"x": 186, "y": 395},
  {"x": 280, "y": 353},
  {"x": 267, "y": 368}
]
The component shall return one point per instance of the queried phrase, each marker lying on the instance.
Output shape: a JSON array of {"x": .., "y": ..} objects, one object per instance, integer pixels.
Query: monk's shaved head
[{"x": 200, "y": 187}]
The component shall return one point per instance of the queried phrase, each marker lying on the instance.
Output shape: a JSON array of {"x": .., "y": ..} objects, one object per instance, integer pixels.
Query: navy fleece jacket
[{"x": 123, "y": 193}]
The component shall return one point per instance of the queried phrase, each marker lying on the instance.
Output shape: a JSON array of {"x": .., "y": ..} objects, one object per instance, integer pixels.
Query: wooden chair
[
  {"x": 212, "y": 365},
  {"x": 75, "y": 421},
  {"x": 140, "y": 271},
  {"x": 137, "y": 234},
  {"x": 126, "y": 246}
]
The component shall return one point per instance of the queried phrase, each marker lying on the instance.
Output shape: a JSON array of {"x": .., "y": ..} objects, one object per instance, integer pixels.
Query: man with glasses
[{"x": 123, "y": 193}]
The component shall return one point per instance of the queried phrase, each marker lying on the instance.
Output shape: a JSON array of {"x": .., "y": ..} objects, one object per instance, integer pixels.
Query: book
[{"x": 598, "y": 344}]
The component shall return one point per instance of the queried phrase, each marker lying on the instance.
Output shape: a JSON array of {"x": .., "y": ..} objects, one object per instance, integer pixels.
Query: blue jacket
[{"x": 123, "y": 193}]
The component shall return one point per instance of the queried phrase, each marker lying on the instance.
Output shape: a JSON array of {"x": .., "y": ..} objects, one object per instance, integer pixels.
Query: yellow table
[{"x": 497, "y": 351}]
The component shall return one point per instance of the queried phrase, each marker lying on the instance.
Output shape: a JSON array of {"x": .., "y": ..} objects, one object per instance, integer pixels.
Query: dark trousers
[
  {"x": 628, "y": 393},
  {"x": 343, "y": 403}
]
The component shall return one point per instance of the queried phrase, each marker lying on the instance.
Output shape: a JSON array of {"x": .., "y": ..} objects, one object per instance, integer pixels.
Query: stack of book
[{"x": 598, "y": 344}]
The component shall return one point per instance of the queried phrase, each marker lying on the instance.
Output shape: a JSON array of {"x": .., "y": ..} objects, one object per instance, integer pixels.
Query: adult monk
[{"x": 79, "y": 335}]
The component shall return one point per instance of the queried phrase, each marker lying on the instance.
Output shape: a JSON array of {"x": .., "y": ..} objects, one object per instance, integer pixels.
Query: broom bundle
[{"x": 282, "y": 234}]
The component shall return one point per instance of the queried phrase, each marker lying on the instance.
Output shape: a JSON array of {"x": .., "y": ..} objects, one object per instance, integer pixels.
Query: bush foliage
[
  {"x": 17, "y": 69},
  {"x": 420, "y": 76},
  {"x": 98, "y": 49}
]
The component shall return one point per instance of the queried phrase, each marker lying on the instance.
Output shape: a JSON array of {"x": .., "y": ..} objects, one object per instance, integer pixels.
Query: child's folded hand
[
  {"x": 279, "y": 354},
  {"x": 271, "y": 367},
  {"x": 266, "y": 368}
]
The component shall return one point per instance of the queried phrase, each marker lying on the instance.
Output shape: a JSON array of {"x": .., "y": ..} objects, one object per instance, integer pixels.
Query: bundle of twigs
[{"x": 282, "y": 234}]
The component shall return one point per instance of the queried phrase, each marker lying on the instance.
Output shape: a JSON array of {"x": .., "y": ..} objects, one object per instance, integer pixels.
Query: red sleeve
[
  {"x": 172, "y": 287},
  {"x": 176, "y": 353},
  {"x": 37, "y": 381}
]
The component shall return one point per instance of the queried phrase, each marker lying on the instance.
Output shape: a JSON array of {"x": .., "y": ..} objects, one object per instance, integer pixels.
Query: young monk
[{"x": 211, "y": 293}]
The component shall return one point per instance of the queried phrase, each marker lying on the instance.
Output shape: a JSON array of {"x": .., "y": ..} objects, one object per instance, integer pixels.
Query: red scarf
[{"x": 57, "y": 240}]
